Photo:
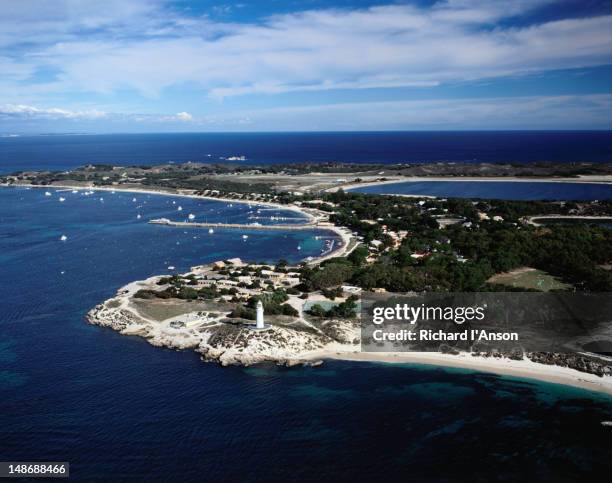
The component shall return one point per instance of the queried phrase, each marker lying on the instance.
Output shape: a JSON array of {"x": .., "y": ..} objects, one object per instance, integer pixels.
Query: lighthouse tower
[{"x": 260, "y": 315}]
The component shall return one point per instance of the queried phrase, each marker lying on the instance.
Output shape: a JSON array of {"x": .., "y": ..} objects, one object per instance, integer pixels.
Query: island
[{"x": 389, "y": 244}]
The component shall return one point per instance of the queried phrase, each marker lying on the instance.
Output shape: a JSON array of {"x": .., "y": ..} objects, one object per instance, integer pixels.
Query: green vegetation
[
  {"x": 530, "y": 279},
  {"x": 463, "y": 256},
  {"x": 273, "y": 303},
  {"x": 344, "y": 310}
]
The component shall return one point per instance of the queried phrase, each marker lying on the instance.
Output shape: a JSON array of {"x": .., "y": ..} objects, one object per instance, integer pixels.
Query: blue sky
[{"x": 254, "y": 65}]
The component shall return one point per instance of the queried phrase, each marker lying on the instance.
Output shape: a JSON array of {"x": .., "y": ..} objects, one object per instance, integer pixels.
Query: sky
[{"x": 311, "y": 65}]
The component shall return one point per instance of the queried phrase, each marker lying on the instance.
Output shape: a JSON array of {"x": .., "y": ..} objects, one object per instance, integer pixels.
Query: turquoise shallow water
[{"x": 121, "y": 410}]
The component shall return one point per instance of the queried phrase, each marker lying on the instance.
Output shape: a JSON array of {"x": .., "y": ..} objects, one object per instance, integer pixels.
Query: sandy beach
[{"x": 523, "y": 369}]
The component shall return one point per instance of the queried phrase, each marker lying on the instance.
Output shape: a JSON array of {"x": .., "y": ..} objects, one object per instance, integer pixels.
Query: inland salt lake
[{"x": 502, "y": 190}]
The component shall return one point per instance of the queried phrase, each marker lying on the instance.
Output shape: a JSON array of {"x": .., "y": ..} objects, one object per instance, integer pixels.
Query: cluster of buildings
[{"x": 246, "y": 279}]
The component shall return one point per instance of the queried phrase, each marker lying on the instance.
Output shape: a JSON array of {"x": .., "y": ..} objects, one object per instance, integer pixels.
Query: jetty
[{"x": 240, "y": 226}]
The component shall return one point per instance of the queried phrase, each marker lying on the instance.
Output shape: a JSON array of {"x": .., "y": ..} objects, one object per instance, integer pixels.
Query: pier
[{"x": 239, "y": 226}]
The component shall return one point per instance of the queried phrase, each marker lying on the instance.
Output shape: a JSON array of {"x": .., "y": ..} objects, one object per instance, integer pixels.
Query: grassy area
[
  {"x": 165, "y": 309},
  {"x": 529, "y": 278}
]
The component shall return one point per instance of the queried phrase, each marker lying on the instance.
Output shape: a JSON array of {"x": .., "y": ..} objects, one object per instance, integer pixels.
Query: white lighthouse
[{"x": 260, "y": 315}]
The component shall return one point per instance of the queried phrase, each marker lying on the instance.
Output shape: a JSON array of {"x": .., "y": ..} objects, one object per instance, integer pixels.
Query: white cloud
[
  {"x": 527, "y": 112},
  {"x": 184, "y": 116},
  {"x": 23, "y": 111},
  {"x": 145, "y": 47}
]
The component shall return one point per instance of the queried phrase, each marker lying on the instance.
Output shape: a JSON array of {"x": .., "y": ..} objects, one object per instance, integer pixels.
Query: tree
[
  {"x": 359, "y": 255},
  {"x": 317, "y": 311}
]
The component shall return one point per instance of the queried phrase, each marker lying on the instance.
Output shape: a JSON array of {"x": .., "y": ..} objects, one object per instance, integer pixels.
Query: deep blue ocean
[
  {"x": 503, "y": 190},
  {"x": 60, "y": 152},
  {"x": 119, "y": 409}
]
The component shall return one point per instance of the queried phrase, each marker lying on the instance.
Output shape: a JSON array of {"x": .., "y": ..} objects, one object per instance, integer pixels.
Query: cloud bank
[{"x": 108, "y": 54}]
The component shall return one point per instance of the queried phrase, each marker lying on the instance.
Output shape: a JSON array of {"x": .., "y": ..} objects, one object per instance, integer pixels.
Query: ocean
[
  {"x": 119, "y": 409},
  {"x": 62, "y": 152}
]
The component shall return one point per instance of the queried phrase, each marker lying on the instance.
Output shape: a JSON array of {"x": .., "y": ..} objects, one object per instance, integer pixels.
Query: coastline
[
  {"x": 524, "y": 369},
  {"x": 298, "y": 348}
]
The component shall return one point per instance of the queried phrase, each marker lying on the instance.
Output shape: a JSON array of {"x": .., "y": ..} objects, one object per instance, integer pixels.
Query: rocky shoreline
[{"x": 221, "y": 339}]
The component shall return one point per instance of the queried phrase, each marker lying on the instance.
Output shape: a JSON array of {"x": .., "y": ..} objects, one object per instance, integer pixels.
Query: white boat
[
  {"x": 138, "y": 216},
  {"x": 62, "y": 199},
  {"x": 63, "y": 238},
  {"x": 133, "y": 200},
  {"x": 211, "y": 231},
  {"x": 47, "y": 193},
  {"x": 74, "y": 192},
  {"x": 191, "y": 216},
  {"x": 606, "y": 423},
  {"x": 244, "y": 237},
  {"x": 171, "y": 267},
  {"x": 299, "y": 247},
  {"x": 180, "y": 208}
]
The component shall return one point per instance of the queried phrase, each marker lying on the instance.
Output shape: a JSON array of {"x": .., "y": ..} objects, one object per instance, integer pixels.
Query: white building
[{"x": 260, "y": 315}]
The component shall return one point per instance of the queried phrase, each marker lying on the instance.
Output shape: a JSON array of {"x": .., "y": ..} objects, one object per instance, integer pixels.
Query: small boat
[
  {"x": 606, "y": 423},
  {"x": 171, "y": 267},
  {"x": 299, "y": 247},
  {"x": 133, "y": 200},
  {"x": 63, "y": 238},
  {"x": 244, "y": 237},
  {"x": 211, "y": 231},
  {"x": 191, "y": 216},
  {"x": 180, "y": 208},
  {"x": 47, "y": 193},
  {"x": 74, "y": 192},
  {"x": 138, "y": 216},
  {"x": 62, "y": 199}
]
